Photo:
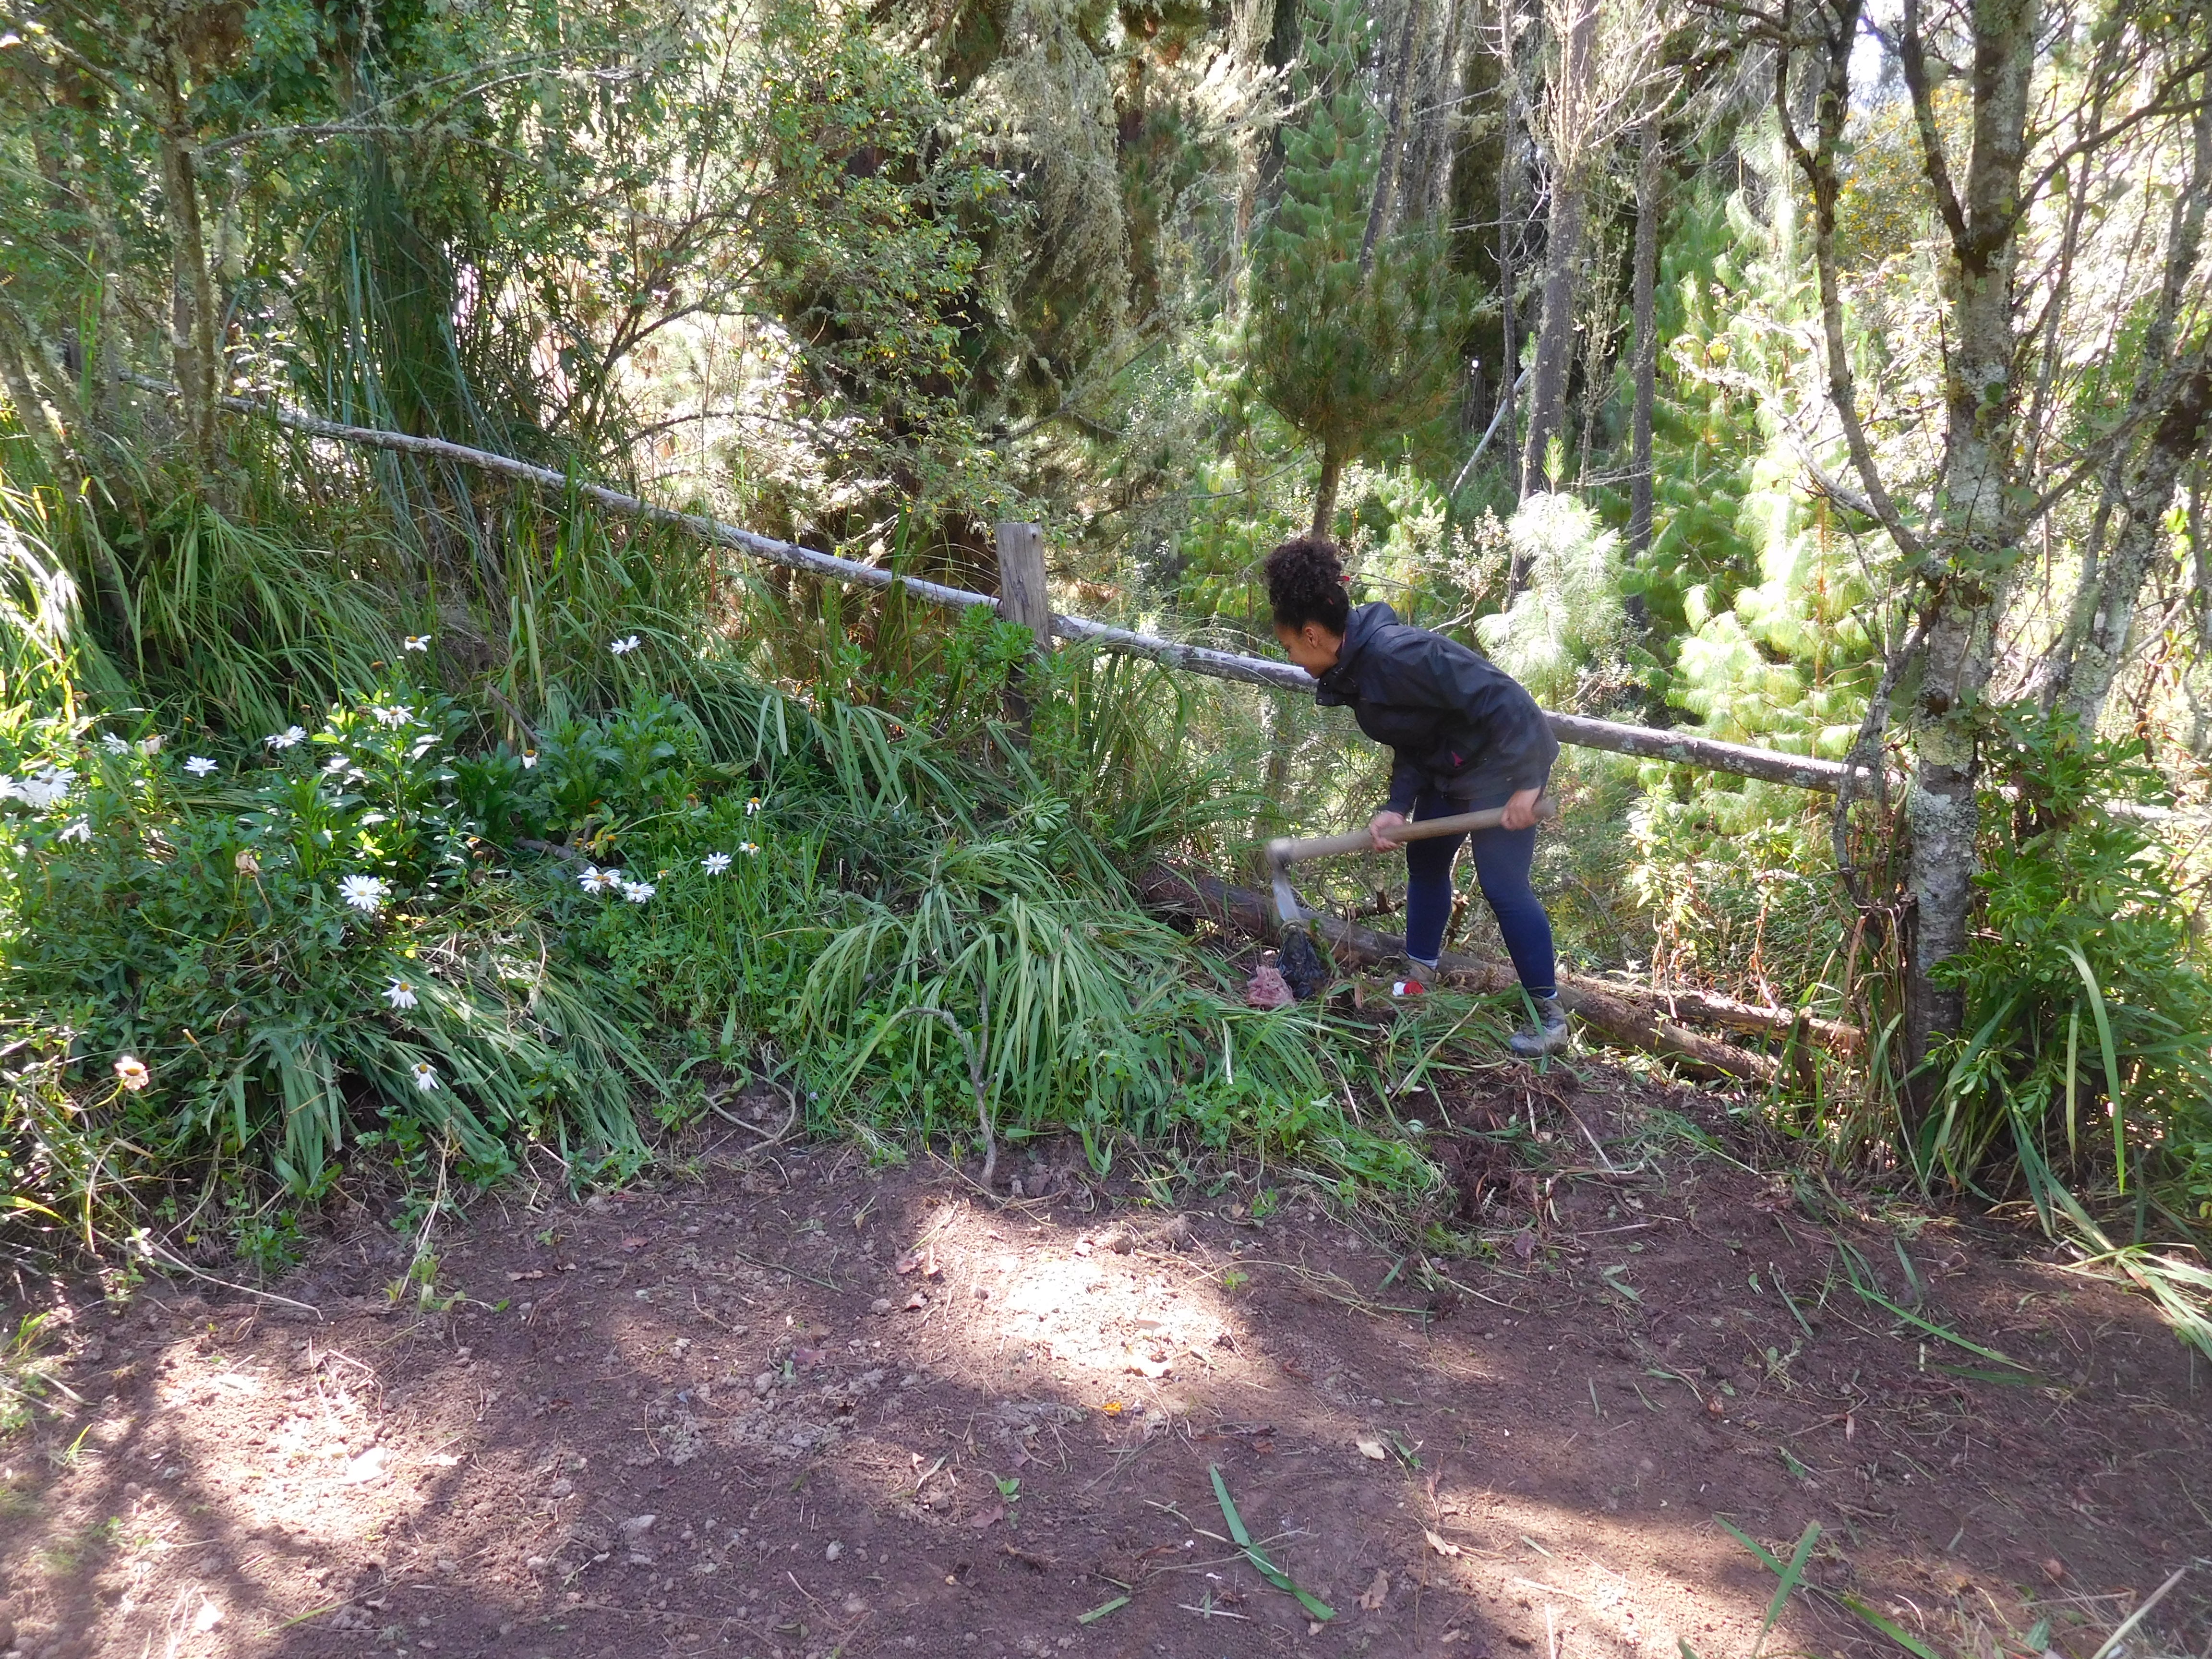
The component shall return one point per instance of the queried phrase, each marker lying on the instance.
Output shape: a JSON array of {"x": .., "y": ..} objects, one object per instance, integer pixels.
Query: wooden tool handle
[{"x": 1283, "y": 850}]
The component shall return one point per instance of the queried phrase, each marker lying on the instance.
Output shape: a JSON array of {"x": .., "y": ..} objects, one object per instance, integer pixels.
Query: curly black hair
[{"x": 1305, "y": 583}]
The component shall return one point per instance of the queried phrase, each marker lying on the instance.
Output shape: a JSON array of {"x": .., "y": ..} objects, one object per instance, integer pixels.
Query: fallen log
[
  {"x": 1599, "y": 1005},
  {"x": 1712, "y": 1009}
]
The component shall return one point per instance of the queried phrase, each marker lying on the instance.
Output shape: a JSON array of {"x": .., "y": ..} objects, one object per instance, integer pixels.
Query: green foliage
[
  {"x": 1733, "y": 888},
  {"x": 1706, "y": 433},
  {"x": 2083, "y": 1049},
  {"x": 1563, "y": 633},
  {"x": 1352, "y": 341},
  {"x": 883, "y": 871},
  {"x": 236, "y": 955},
  {"x": 27, "y": 1376},
  {"x": 1759, "y": 602}
]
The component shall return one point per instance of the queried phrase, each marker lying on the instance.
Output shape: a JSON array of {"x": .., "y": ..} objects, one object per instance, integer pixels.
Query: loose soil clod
[{"x": 1303, "y": 968}]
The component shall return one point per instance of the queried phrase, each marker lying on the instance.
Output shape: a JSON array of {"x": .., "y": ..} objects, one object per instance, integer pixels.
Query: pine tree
[{"x": 1353, "y": 335}]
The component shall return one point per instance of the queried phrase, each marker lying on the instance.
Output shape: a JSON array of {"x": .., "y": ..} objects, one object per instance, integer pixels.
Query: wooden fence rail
[{"x": 1769, "y": 766}]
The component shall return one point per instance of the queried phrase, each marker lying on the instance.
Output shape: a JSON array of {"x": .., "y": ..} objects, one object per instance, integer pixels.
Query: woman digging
[{"x": 1466, "y": 737}]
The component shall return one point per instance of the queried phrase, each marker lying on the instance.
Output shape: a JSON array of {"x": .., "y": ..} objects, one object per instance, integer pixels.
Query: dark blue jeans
[{"x": 1502, "y": 858}]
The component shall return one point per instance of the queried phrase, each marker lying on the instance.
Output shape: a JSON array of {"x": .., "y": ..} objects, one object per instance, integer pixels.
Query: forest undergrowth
[{"x": 367, "y": 817}]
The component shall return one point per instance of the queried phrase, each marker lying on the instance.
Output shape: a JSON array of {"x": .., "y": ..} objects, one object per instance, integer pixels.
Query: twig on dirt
[
  {"x": 1349, "y": 1297},
  {"x": 1209, "y": 1611},
  {"x": 1580, "y": 1172},
  {"x": 2137, "y": 1616},
  {"x": 153, "y": 1250},
  {"x": 1123, "y": 1456},
  {"x": 998, "y": 1201},
  {"x": 790, "y": 1099},
  {"x": 788, "y": 1270}
]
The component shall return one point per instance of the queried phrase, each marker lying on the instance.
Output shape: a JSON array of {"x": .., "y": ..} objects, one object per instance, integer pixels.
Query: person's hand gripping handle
[{"x": 1519, "y": 813}]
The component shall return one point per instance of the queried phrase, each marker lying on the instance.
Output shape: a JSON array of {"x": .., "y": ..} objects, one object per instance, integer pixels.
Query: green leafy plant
[
  {"x": 2083, "y": 1051},
  {"x": 228, "y": 954},
  {"x": 1351, "y": 334}
]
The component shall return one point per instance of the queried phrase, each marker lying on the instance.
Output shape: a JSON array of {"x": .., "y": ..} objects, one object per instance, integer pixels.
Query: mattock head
[{"x": 1303, "y": 969}]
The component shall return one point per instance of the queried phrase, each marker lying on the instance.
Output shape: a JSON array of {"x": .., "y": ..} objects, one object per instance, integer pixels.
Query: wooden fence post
[{"x": 1023, "y": 598}]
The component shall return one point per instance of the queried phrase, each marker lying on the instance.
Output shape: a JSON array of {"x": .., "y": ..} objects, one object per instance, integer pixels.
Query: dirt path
[{"x": 719, "y": 1418}]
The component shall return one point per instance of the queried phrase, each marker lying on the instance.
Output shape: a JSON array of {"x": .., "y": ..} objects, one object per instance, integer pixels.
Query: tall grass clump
[
  {"x": 153, "y": 590},
  {"x": 884, "y": 870}
]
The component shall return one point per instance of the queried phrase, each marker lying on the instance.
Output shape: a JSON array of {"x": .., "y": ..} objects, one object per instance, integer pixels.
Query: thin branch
[
  {"x": 1914, "y": 56},
  {"x": 1818, "y": 166}
]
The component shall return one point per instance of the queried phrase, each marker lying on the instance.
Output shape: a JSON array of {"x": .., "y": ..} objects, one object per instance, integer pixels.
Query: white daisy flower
[
  {"x": 151, "y": 746},
  {"x": 131, "y": 1072},
  {"x": 638, "y": 892},
  {"x": 400, "y": 993},
  {"x": 199, "y": 766},
  {"x": 714, "y": 863},
  {"x": 418, "y": 642},
  {"x": 286, "y": 739},
  {"x": 622, "y": 647},
  {"x": 749, "y": 847},
  {"x": 529, "y": 758},
  {"x": 113, "y": 744},
  {"x": 80, "y": 830},
  {"x": 425, "y": 1075},
  {"x": 52, "y": 785},
  {"x": 752, "y": 807},
  {"x": 392, "y": 717},
  {"x": 366, "y": 894},
  {"x": 596, "y": 880}
]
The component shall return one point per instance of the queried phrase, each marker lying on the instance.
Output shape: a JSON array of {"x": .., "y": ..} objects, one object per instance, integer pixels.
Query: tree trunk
[
  {"x": 1509, "y": 204},
  {"x": 1386, "y": 175},
  {"x": 1547, "y": 390},
  {"x": 1252, "y": 25},
  {"x": 198, "y": 364},
  {"x": 1548, "y": 387},
  {"x": 1644, "y": 309},
  {"x": 1332, "y": 472},
  {"x": 1976, "y": 531},
  {"x": 1429, "y": 166},
  {"x": 2104, "y": 642},
  {"x": 1282, "y": 739},
  {"x": 2094, "y": 641},
  {"x": 18, "y": 377}
]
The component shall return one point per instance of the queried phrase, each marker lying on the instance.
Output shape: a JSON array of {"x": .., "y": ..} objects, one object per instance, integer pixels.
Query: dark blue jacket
[{"x": 1454, "y": 722}]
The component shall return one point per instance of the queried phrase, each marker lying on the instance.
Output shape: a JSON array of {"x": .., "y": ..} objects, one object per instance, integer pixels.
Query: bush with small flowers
[{"x": 231, "y": 955}]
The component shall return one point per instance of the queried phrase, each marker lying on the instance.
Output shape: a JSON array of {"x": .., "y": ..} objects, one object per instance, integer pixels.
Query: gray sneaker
[{"x": 1549, "y": 1036}]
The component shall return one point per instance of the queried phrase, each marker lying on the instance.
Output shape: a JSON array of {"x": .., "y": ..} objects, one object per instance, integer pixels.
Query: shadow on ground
[{"x": 810, "y": 1408}]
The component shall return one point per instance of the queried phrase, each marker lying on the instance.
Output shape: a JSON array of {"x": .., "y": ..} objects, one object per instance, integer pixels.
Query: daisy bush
[{"x": 257, "y": 959}]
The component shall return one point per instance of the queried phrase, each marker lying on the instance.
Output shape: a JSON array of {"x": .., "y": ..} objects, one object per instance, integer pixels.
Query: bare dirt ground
[{"x": 719, "y": 1417}]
